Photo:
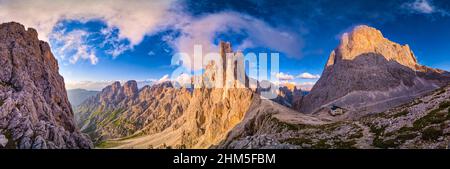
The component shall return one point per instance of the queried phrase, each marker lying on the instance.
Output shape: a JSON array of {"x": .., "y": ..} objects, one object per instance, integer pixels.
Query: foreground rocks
[
  {"x": 423, "y": 123},
  {"x": 34, "y": 109}
]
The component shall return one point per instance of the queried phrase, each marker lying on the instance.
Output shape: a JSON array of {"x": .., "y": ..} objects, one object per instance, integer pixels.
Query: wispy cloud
[
  {"x": 117, "y": 46},
  {"x": 307, "y": 75},
  {"x": 73, "y": 46},
  {"x": 284, "y": 77},
  {"x": 423, "y": 7},
  {"x": 133, "y": 18},
  {"x": 203, "y": 30},
  {"x": 165, "y": 78}
]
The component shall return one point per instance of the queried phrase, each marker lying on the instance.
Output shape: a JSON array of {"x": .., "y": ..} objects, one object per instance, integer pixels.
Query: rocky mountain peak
[
  {"x": 34, "y": 108},
  {"x": 130, "y": 88},
  {"x": 115, "y": 86},
  {"x": 115, "y": 92},
  {"x": 364, "y": 39},
  {"x": 369, "y": 73}
]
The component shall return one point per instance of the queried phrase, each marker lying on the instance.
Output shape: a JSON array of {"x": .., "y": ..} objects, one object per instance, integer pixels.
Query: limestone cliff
[
  {"x": 34, "y": 109},
  {"x": 368, "y": 73}
]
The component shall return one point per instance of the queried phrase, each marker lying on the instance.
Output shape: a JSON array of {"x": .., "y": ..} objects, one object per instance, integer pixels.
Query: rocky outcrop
[
  {"x": 368, "y": 73},
  {"x": 288, "y": 95},
  {"x": 193, "y": 118},
  {"x": 423, "y": 123},
  {"x": 120, "y": 111},
  {"x": 34, "y": 109}
]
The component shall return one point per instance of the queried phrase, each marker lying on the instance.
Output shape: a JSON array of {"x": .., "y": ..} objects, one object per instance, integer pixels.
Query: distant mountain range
[{"x": 77, "y": 96}]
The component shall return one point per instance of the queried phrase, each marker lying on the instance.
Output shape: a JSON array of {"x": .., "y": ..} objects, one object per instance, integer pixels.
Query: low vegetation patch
[
  {"x": 321, "y": 144},
  {"x": 381, "y": 143},
  {"x": 421, "y": 125},
  {"x": 131, "y": 136},
  {"x": 436, "y": 116},
  {"x": 378, "y": 141},
  {"x": 345, "y": 144},
  {"x": 298, "y": 141},
  {"x": 440, "y": 91},
  {"x": 357, "y": 135},
  {"x": 290, "y": 126},
  {"x": 431, "y": 134},
  {"x": 400, "y": 114},
  {"x": 9, "y": 85},
  {"x": 110, "y": 117},
  {"x": 377, "y": 130},
  {"x": 107, "y": 144},
  {"x": 11, "y": 143}
]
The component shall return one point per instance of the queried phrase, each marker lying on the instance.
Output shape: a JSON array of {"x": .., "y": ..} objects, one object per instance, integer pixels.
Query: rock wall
[{"x": 34, "y": 109}]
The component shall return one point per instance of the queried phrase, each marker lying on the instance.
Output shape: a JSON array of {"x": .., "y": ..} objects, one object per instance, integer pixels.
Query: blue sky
[{"x": 97, "y": 42}]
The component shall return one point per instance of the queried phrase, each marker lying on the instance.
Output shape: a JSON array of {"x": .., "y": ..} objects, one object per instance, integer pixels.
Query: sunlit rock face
[
  {"x": 369, "y": 73},
  {"x": 364, "y": 39},
  {"x": 34, "y": 109}
]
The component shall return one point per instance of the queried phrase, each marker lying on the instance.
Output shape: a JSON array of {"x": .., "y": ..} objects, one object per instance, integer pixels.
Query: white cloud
[
  {"x": 201, "y": 31},
  {"x": 284, "y": 77},
  {"x": 424, "y": 7},
  {"x": 165, "y": 78},
  {"x": 117, "y": 47},
  {"x": 307, "y": 75},
  {"x": 305, "y": 86},
  {"x": 183, "y": 79},
  {"x": 72, "y": 46},
  {"x": 134, "y": 18}
]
